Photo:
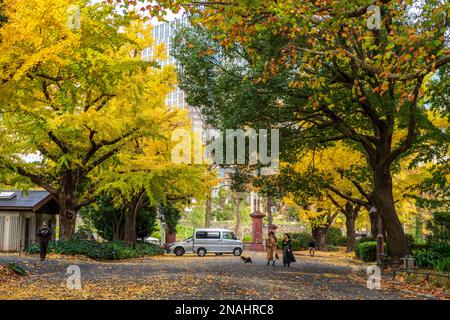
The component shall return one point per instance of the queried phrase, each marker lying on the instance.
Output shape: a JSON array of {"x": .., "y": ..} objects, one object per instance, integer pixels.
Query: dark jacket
[
  {"x": 44, "y": 235},
  {"x": 288, "y": 255}
]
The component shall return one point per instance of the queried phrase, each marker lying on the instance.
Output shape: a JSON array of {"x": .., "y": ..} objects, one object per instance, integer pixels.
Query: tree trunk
[
  {"x": 117, "y": 228},
  {"x": 351, "y": 235},
  {"x": 318, "y": 234},
  {"x": 130, "y": 220},
  {"x": 130, "y": 227},
  {"x": 269, "y": 211},
  {"x": 67, "y": 216},
  {"x": 351, "y": 212},
  {"x": 208, "y": 210},
  {"x": 373, "y": 224},
  {"x": 384, "y": 201}
]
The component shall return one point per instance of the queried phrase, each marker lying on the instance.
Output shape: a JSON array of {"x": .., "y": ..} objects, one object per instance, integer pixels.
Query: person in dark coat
[
  {"x": 288, "y": 255},
  {"x": 44, "y": 234},
  {"x": 312, "y": 247}
]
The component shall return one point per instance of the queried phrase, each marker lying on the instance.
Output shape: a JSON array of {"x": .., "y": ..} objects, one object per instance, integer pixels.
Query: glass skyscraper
[{"x": 164, "y": 33}]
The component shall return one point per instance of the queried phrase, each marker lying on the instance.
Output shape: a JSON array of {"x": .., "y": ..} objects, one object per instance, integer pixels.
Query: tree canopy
[
  {"x": 326, "y": 72},
  {"x": 73, "y": 96}
]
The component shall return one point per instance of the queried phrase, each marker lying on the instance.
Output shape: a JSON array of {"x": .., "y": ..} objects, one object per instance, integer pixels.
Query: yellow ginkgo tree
[
  {"x": 145, "y": 176},
  {"x": 75, "y": 92}
]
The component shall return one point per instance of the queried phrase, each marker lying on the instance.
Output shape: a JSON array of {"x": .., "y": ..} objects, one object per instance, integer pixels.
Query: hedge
[
  {"x": 299, "y": 241},
  {"x": 367, "y": 251},
  {"x": 334, "y": 237},
  {"x": 431, "y": 255},
  {"x": 436, "y": 255},
  {"x": 443, "y": 265},
  {"x": 114, "y": 250}
]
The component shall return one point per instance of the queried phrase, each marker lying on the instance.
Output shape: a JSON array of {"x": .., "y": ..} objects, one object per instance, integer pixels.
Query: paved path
[{"x": 192, "y": 277}]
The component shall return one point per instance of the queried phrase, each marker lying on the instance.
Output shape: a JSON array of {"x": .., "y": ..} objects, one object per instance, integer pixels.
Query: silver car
[{"x": 218, "y": 241}]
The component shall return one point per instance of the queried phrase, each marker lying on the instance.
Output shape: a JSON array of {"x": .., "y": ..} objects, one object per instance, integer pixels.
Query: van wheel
[
  {"x": 179, "y": 251},
  {"x": 201, "y": 252},
  {"x": 237, "y": 252}
]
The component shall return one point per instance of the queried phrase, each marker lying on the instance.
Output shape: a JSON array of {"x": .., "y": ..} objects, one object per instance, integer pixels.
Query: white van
[{"x": 218, "y": 241}]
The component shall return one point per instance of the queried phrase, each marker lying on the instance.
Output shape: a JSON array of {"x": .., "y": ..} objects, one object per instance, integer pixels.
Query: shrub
[
  {"x": 303, "y": 239},
  {"x": 439, "y": 225},
  {"x": 440, "y": 248},
  {"x": 367, "y": 251},
  {"x": 419, "y": 246},
  {"x": 430, "y": 255},
  {"x": 334, "y": 237},
  {"x": 299, "y": 241},
  {"x": 114, "y": 250},
  {"x": 366, "y": 239},
  {"x": 443, "y": 265},
  {"x": 247, "y": 238},
  {"x": 425, "y": 258}
]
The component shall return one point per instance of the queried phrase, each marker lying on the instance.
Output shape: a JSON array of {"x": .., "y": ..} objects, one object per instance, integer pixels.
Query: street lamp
[{"x": 380, "y": 240}]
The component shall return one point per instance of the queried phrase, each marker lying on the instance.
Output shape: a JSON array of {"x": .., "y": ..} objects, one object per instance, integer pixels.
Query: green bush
[
  {"x": 425, "y": 258},
  {"x": 303, "y": 239},
  {"x": 114, "y": 250},
  {"x": 334, "y": 237},
  {"x": 366, "y": 239},
  {"x": 247, "y": 238},
  {"x": 419, "y": 245},
  {"x": 440, "y": 248},
  {"x": 299, "y": 241},
  {"x": 430, "y": 255},
  {"x": 439, "y": 225},
  {"x": 367, "y": 251},
  {"x": 443, "y": 265}
]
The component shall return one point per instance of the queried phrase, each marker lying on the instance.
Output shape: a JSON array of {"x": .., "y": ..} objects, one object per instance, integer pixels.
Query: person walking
[
  {"x": 44, "y": 234},
  {"x": 271, "y": 247},
  {"x": 312, "y": 247},
  {"x": 288, "y": 255}
]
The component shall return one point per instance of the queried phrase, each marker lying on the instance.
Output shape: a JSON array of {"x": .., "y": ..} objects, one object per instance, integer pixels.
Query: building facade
[{"x": 22, "y": 214}]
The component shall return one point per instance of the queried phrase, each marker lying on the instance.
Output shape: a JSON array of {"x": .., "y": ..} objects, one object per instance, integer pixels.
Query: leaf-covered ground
[{"x": 326, "y": 276}]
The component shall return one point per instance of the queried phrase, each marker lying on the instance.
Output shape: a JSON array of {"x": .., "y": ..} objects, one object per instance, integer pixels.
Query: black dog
[{"x": 246, "y": 260}]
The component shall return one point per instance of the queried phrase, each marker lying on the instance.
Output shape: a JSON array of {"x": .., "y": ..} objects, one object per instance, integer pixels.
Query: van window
[
  {"x": 228, "y": 235},
  {"x": 213, "y": 235},
  {"x": 201, "y": 235}
]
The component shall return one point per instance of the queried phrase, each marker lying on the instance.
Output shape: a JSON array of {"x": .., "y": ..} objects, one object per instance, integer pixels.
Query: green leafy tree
[
  {"x": 109, "y": 221},
  {"x": 324, "y": 74},
  {"x": 439, "y": 226}
]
